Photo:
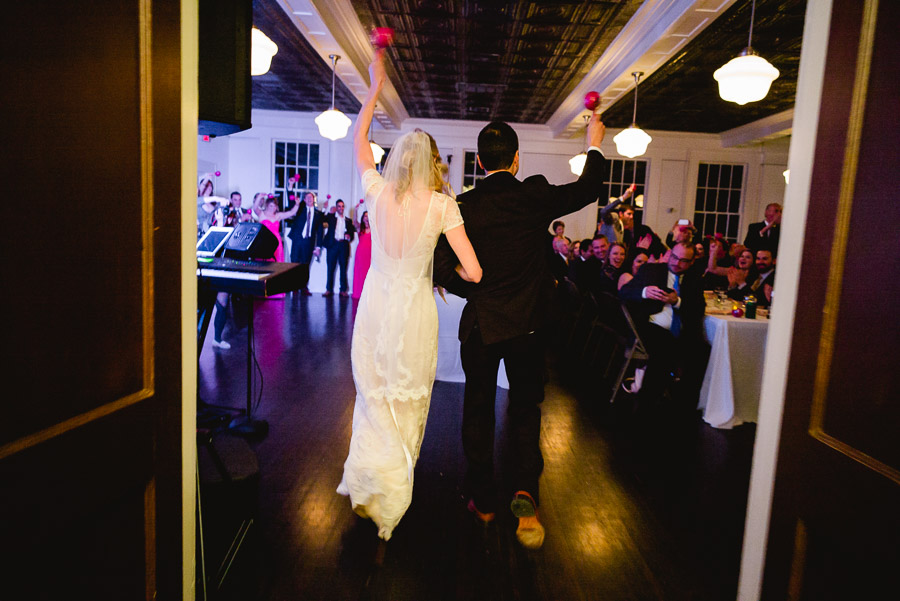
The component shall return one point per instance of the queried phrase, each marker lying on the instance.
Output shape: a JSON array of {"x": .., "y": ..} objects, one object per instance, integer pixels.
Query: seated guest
[
  {"x": 615, "y": 260},
  {"x": 718, "y": 262},
  {"x": 559, "y": 260},
  {"x": 590, "y": 277},
  {"x": 681, "y": 233},
  {"x": 666, "y": 301},
  {"x": 764, "y": 283},
  {"x": 639, "y": 235},
  {"x": 559, "y": 229},
  {"x": 640, "y": 257},
  {"x": 765, "y": 234},
  {"x": 699, "y": 253},
  {"x": 741, "y": 275}
]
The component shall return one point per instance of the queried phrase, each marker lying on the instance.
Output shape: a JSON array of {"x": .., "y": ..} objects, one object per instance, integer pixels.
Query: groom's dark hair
[{"x": 497, "y": 146}]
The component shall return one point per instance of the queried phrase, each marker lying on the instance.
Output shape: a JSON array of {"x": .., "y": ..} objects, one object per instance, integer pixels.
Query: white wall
[{"x": 245, "y": 160}]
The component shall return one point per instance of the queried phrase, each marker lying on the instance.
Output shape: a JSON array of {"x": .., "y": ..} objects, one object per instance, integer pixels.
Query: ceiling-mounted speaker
[{"x": 224, "y": 66}]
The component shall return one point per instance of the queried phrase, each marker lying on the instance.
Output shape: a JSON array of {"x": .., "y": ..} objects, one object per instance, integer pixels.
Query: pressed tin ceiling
[
  {"x": 515, "y": 61},
  {"x": 518, "y": 60},
  {"x": 683, "y": 96}
]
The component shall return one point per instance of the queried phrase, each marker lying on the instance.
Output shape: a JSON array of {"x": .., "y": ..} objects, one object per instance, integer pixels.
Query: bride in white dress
[{"x": 394, "y": 352}]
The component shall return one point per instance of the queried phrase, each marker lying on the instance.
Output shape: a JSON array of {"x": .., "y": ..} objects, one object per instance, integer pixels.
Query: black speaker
[
  {"x": 251, "y": 240},
  {"x": 224, "y": 66}
]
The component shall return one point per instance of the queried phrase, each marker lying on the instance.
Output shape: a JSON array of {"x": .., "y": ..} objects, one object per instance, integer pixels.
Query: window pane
[
  {"x": 713, "y": 181},
  {"x": 710, "y": 200},
  {"x": 733, "y": 227},
  {"x": 724, "y": 176},
  {"x": 313, "y": 155},
  {"x": 469, "y": 162},
  {"x": 279, "y": 177},
  {"x": 640, "y": 172},
  {"x": 616, "y": 171},
  {"x": 291, "y": 154},
  {"x": 698, "y": 222},
  {"x": 734, "y": 205},
  {"x": 722, "y": 202},
  {"x": 699, "y": 204},
  {"x": 279, "y": 153},
  {"x": 702, "y": 173},
  {"x": 302, "y": 154},
  {"x": 721, "y": 224},
  {"x": 737, "y": 177},
  {"x": 313, "y": 177},
  {"x": 628, "y": 172}
]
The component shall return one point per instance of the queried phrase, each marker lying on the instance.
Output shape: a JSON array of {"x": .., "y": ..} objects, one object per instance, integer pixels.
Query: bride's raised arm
[{"x": 364, "y": 158}]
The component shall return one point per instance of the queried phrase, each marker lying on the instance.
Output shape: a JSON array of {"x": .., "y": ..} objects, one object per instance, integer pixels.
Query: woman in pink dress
[
  {"x": 271, "y": 218},
  {"x": 363, "y": 255}
]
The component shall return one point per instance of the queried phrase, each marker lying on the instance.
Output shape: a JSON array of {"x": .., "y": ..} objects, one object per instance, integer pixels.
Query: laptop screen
[{"x": 213, "y": 241}]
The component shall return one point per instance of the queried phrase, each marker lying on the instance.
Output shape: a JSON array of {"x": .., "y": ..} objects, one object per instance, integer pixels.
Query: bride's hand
[{"x": 377, "y": 74}]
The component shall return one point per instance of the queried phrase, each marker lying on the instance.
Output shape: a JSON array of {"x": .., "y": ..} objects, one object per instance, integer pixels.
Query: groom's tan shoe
[{"x": 530, "y": 532}]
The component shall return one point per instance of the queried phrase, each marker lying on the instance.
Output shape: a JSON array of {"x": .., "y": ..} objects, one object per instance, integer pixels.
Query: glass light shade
[
  {"x": 576, "y": 163},
  {"x": 377, "y": 152},
  {"x": 333, "y": 124},
  {"x": 787, "y": 174},
  {"x": 262, "y": 49},
  {"x": 632, "y": 141},
  {"x": 745, "y": 79}
]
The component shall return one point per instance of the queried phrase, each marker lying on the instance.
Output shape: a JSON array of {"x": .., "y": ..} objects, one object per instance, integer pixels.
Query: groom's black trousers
[{"x": 525, "y": 366}]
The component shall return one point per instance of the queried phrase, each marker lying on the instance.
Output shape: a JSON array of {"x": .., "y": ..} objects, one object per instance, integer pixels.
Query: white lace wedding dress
[{"x": 394, "y": 352}]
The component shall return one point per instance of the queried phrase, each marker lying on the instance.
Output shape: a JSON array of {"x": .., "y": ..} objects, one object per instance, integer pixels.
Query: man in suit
[
  {"x": 507, "y": 313},
  {"x": 765, "y": 234},
  {"x": 306, "y": 237},
  {"x": 667, "y": 304},
  {"x": 761, "y": 287},
  {"x": 337, "y": 243}
]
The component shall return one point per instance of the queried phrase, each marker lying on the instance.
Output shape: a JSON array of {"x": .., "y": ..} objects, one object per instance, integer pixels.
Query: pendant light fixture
[
  {"x": 747, "y": 77},
  {"x": 262, "y": 49},
  {"x": 576, "y": 163},
  {"x": 333, "y": 124},
  {"x": 632, "y": 141},
  {"x": 377, "y": 151}
]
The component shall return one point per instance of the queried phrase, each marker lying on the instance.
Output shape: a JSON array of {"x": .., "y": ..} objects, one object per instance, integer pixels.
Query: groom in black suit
[
  {"x": 306, "y": 237},
  {"x": 506, "y": 313}
]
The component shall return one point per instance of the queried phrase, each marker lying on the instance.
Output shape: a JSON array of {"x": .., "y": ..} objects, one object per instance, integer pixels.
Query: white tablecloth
[
  {"x": 731, "y": 386},
  {"x": 449, "y": 364}
]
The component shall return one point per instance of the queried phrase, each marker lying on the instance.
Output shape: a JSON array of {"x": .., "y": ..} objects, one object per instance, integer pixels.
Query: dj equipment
[{"x": 251, "y": 240}]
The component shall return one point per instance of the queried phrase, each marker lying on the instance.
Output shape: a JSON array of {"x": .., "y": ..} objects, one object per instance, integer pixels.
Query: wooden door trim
[
  {"x": 148, "y": 389},
  {"x": 839, "y": 250}
]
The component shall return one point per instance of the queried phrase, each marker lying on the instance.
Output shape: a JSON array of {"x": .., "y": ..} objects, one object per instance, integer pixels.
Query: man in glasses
[{"x": 666, "y": 302}]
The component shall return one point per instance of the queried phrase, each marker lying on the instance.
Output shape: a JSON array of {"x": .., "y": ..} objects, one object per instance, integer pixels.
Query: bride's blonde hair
[{"x": 414, "y": 162}]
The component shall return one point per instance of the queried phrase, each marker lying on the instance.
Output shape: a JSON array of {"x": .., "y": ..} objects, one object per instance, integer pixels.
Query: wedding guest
[
  {"x": 337, "y": 244},
  {"x": 764, "y": 283},
  {"x": 765, "y": 234},
  {"x": 610, "y": 225},
  {"x": 640, "y": 257}
]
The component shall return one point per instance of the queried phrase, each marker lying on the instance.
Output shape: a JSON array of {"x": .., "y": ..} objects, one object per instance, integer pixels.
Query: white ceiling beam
[
  {"x": 655, "y": 33},
  {"x": 332, "y": 27},
  {"x": 767, "y": 128}
]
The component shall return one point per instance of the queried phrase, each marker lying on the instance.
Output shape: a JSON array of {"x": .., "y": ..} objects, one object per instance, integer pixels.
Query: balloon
[
  {"x": 382, "y": 37},
  {"x": 218, "y": 173},
  {"x": 591, "y": 101}
]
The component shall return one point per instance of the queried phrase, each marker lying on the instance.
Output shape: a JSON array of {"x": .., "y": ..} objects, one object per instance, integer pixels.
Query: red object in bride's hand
[
  {"x": 591, "y": 101},
  {"x": 382, "y": 37}
]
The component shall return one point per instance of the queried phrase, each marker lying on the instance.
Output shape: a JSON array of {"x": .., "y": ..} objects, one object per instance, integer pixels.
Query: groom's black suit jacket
[{"x": 507, "y": 220}]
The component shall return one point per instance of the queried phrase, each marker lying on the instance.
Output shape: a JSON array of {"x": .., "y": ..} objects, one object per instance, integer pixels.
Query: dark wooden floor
[{"x": 648, "y": 510}]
